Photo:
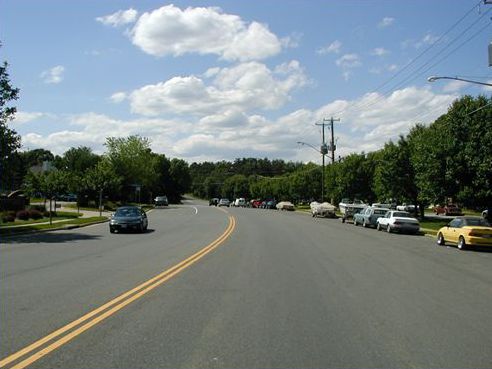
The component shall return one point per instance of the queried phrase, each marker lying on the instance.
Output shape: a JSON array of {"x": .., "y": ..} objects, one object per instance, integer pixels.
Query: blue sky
[{"x": 219, "y": 80}]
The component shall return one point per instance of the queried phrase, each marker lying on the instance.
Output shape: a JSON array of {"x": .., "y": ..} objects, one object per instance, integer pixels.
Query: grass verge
[{"x": 69, "y": 223}]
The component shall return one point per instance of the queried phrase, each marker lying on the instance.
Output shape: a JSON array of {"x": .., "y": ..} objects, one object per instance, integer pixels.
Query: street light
[
  {"x": 435, "y": 78},
  {"x": 323, "y": 151}
]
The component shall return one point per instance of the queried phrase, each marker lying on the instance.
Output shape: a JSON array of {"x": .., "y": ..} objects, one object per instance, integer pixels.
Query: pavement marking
[
  {"x": 114, "y": 305},
  {"x": 196, "y": 209}
]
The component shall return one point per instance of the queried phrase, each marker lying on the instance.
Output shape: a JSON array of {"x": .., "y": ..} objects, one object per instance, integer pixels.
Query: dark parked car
[
  {"x": 161, "y": 201},
  {"x": 213, "y": 202},
  {"x": 128, "y": 218},
  {"x": 369, "y": 216}
]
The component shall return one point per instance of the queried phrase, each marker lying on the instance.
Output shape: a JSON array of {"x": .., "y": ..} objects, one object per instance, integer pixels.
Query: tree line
[{"x": 448, "y": 160}]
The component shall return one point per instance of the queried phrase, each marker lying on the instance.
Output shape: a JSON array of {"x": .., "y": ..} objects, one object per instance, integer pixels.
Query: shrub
[
  {"x": 22, "y": 215},
  {"x": 35, "y": 214},
  {"x": 7, "y": 218}
]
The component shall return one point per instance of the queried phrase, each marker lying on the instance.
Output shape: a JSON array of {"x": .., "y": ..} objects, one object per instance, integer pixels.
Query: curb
[{"x": 61, "y": 228}]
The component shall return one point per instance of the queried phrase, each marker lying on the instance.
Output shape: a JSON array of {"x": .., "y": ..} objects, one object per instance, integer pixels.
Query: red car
[
  {"x": 256, "y": 203},
  {"x": 450, "y": 209}
]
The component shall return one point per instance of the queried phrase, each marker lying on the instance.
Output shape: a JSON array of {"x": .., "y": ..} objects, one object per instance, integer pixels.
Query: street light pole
[{"x": 435, "y": 78}]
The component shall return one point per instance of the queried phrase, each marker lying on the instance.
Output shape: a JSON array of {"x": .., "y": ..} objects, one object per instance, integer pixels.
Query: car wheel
[
  {"x": 343, "y": 220},
  {"x": 378, "y": 227},
  {"x": 462, "y": 243},
  {"x": 111, "y": 229},
  {"x": 388, "y": 228},
  {"x": 440, "y": 239},
  {"x": 140, "y": 228},
  {"x": 364, "y": 224}
]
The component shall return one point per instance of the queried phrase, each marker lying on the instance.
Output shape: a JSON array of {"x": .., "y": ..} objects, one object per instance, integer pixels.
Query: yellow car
[{"x": 466, "y": 231}]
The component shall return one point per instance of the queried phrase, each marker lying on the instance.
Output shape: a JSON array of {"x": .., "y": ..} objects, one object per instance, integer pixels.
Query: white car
[
  {"x": 285, "y": 205},
  {"x": 398, "y": 221},
  {"x": 240, "y": 202},
  {"x": 322, "y": 210}
]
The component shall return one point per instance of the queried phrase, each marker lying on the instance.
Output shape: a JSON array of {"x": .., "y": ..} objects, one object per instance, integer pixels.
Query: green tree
[
  {"x": 10, "y": 141},
  {"x": 133, "y": 161}
]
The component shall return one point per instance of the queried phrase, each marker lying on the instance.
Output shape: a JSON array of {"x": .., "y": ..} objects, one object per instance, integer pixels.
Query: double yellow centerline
[{"x": 39, "y": 349}]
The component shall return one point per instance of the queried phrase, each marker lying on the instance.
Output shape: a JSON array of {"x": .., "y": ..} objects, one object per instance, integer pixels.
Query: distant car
[
  {"x": 213, "y": 202},
  {"x": 240, "y": 202},
  {"x": 324, "y": 209},
  {"x": 485, "y": 214},
  {"x": 465, "y": 232},
  {"x": 256, "y": 203},
  {"x": 71, "y": 197},
  {"x": 285, "y": 205},
  {"x": 128, "y": 218},
  {"x": 406, "y": 207},
  {"x": 398, "y": 221},
  {"x": 450, "y": 209},
  {"x": 224, "y": 202},
  {"x": 369, "y": 216},
  {"x": 269, "y": 204},
  {"x": 161, "y": 201}
]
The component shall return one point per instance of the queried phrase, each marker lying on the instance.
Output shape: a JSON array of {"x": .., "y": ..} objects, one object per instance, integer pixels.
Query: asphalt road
[{"x": 283, "y": 290}]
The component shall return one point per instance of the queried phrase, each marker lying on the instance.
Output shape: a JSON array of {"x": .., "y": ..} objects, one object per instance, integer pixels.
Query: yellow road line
[{"x": 120, "y": 302}]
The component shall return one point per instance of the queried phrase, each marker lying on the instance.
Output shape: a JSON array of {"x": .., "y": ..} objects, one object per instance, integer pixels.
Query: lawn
[{"x": 60, "y": 225}]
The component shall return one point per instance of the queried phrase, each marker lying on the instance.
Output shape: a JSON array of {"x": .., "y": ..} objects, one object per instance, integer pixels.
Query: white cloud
[
  {"x": 379, "y": 51},
  {"x": 172, "y": 31},
  {"x": 366, "y": 124},
  {"x": 349, "y": 61},
  {"x": 22, "y": 117},
  {"x": 119, "y": 18},
  {"x": 334, "y": 48},
  {"x": 454, "y": 86},
  {"x": 428, "y": 39},
  {"x": 487, "y": 88},
  {"x": 386, "y": 22},
  {"x": 118, "y": 97},
  {"x": 53, "y": 75},
  {"x": 245, "y": 86}
]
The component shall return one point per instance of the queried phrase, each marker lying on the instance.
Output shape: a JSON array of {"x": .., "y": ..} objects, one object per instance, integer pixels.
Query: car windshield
[
  {"x": 127, "y": 212},
  {"x": 402, "y": 214},
  {"x": 477, "y": 222},
  {"x": 380, "y": 211}
]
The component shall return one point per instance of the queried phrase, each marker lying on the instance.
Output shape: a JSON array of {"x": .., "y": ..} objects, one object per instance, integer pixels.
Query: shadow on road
[{"x": 56, "y": 237}]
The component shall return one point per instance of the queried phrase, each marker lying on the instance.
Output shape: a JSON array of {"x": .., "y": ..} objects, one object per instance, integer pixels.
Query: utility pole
[
  {"x": 332, "y": 143},
  {"x": 324, "y": 150}
]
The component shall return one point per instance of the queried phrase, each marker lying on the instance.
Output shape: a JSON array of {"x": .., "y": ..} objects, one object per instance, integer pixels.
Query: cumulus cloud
[
  {"x": 454, "y": 86},
  {"x": 245, "y": 86},
  {"x": 379, "y": 51},
  {"x": 118, "y": 97},
  {"x": 428, "y": 39},
  {"x": 53, "y": 75},
  {"x": 334, "y": 48},
  {"x": 386, "y": 22},
  {"x": 170, "y": 30},
  {"x": 366, "y": 124},
  {"x": 349, "y": 61},
  {"x": 22, "y": 117},
  {"x": 119, "y": 18}
]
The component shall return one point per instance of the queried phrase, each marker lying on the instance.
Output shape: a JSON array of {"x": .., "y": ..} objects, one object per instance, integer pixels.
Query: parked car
[
  {"x": 350, "y": 208},
  {"x": 161, "y": 201},
  {"x": 324, "y": 209},
  {"x": 224, "y": 202},
  {"x": 285, "y": 205},
  {"x": 407, "y": 207},
  {"x": 268, "y": 204},
  {"x": 369, "y": 216},
  {"x": 465, "y": 232},
  {"x": 256, "y": 203},
  {"x": 240, "y": 202},
  {"x": 450, "y": 209},
  {"x": 71, "y": 197},
  {"x": 213, "y": 202},
  {"x": 128, "y": 218},
  {"x": 398, "y": 221}
]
